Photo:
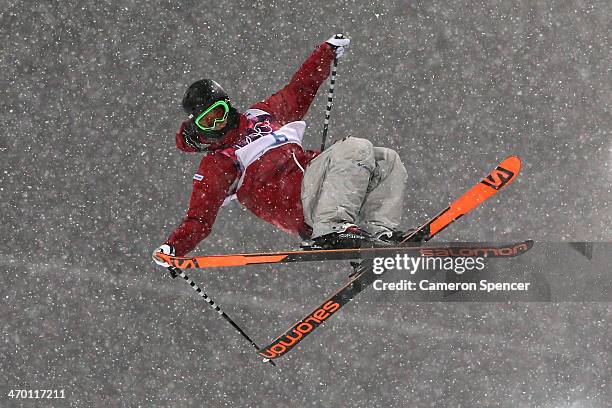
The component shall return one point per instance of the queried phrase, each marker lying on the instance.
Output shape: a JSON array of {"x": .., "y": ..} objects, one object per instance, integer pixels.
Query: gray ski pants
[{"x": 353, "y": 182}]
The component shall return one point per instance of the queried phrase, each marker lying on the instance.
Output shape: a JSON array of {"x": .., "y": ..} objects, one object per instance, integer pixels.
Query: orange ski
[
  {"x": 455, "y": 249},
  {"x": 504, "y": 174}
]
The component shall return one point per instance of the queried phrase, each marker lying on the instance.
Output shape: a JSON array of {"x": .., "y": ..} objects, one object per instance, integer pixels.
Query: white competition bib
[{"x": 290, "y": 133}]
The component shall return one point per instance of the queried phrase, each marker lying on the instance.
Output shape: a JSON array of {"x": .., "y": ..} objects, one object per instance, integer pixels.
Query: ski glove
[
  {"x": 189, "y": 134},
  {"x": 338, "y": 42},
  {"x": 164, "y": 249}
]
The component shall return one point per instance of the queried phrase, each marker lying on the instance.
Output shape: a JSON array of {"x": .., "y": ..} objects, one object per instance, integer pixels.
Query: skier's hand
[
  {"x": 189, "y": 133},
  {"x": 166, "y": 250},
  {"x": 338, "y": 42}
]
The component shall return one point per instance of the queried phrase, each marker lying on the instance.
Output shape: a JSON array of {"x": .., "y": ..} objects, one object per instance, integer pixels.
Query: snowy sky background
[{"x": 91, "y": 183}]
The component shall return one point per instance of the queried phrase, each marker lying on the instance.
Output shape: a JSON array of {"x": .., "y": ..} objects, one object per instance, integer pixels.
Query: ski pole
[
  {"x": 330, "y": 97},
  {"x": 179, "y": 272}
]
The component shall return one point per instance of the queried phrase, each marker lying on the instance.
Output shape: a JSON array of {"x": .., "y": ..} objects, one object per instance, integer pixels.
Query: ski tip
[{"x": 512, "y": 162}]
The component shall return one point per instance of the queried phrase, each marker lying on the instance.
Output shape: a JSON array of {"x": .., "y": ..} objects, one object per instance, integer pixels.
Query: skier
[{"x": 348, "y": 196}]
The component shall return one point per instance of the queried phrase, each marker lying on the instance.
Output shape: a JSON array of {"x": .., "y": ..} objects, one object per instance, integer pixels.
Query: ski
[
  {"x": 456, "y": 249},
  {"x": 499, "y": 178}
]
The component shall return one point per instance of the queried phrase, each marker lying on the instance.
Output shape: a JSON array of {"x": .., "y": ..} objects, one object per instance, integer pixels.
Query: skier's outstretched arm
[
  {"x": 292, "y": 102},
  {"x": 211, "y": 185}
]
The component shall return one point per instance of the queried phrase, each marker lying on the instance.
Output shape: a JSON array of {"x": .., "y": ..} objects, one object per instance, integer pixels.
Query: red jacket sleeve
[
  {"x": 292, "y": 102},
  {"x": 211, "y": 185}
]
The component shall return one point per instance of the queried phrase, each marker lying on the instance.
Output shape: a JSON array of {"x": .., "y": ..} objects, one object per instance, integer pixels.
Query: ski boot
[
  {"x": 351, "y": 237},
  {"x": 396, "y": 237},
  {"x": 390, "y": 238}
]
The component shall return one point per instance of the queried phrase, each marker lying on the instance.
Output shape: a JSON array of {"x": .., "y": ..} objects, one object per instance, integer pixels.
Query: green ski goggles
[{"x": 209, "y": 119}]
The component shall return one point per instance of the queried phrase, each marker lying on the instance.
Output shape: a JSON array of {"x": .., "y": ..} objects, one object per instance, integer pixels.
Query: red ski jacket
[{"x": 271, "y": 185}]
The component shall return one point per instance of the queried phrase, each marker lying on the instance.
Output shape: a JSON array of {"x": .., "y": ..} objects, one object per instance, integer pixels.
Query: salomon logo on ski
[
  {"x": 293, "y": 336},
  {"x": 503, "y": 177},
  {"x": 485, "y": 252}
]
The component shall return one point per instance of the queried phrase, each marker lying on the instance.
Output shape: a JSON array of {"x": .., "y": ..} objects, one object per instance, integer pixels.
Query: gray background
[{"x": 91, "y": 183}]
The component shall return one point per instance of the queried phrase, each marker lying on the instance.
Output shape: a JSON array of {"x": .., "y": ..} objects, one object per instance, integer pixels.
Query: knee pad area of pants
[
  {"x": 358, "y": 150},
  {"x": 391, "y": 157}
]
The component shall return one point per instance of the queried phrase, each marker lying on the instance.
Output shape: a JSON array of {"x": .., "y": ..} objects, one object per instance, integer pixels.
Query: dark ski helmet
[
  {"x": 200, "y": 98},
  {"x": 202, "y": 94}
]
